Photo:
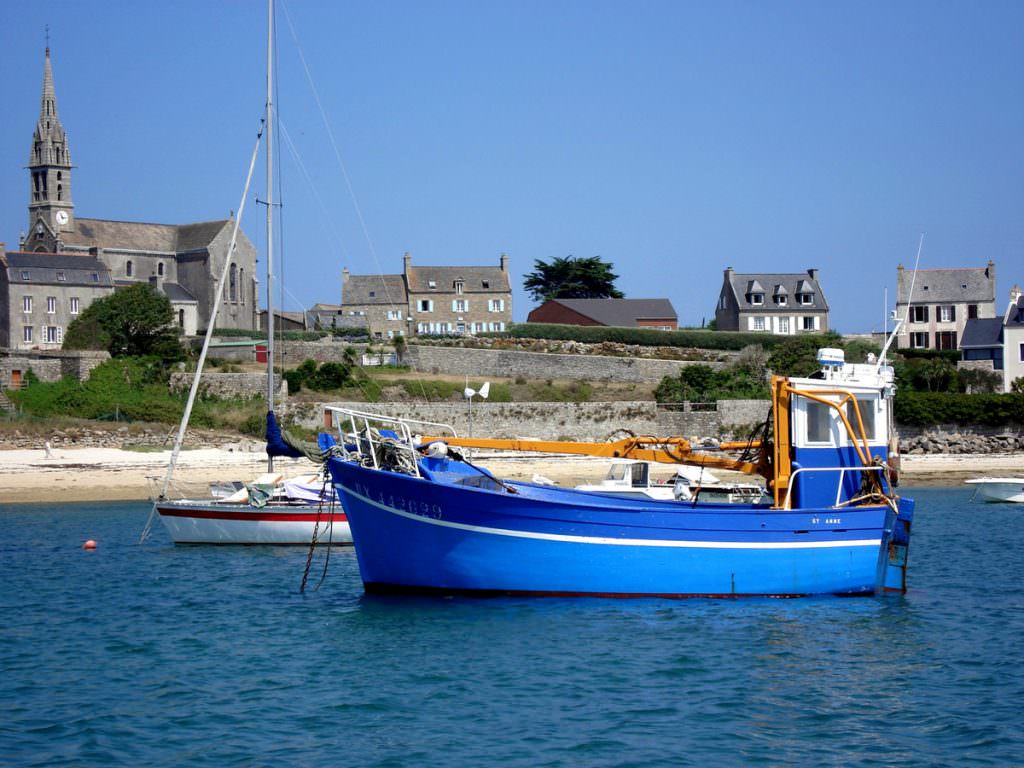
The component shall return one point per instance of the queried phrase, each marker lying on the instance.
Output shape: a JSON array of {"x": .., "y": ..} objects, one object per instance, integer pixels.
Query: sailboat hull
[{"x": 192, "y": 522}]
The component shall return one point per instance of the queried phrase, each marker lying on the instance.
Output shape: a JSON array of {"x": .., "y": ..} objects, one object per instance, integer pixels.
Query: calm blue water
[{"x": 160, "y": 656}]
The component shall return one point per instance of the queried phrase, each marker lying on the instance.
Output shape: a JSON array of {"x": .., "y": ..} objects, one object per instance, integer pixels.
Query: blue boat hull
[{"x": 438, "y": 535}]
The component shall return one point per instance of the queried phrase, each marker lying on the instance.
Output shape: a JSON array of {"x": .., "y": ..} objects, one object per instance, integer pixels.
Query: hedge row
[
  {"x": 927, "y": 409},
  {"x": 595, "y": 334}
]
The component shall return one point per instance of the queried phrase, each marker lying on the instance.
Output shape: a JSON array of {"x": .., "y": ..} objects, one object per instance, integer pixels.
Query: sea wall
[{"x": 569, "y": 421}]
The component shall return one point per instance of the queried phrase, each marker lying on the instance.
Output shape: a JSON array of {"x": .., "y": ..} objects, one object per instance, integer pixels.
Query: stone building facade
[
  {"x": 772, "y": 302},
  {"x": 938, "y": 303},
  {"x": 183, "y": 261},
  {"x": 434, "y": 301}
]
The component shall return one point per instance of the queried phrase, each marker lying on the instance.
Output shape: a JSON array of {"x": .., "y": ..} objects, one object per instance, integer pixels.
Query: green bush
[{"x": 926, "y": 409}]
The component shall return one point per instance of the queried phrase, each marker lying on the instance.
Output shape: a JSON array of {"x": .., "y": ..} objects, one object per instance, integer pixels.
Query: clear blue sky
[{"x": 672, "y": 139}]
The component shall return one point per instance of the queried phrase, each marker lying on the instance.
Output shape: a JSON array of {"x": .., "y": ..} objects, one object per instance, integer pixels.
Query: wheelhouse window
[
  {"x": 819, "y": 422},
  {"x": 867, "y": 416}
]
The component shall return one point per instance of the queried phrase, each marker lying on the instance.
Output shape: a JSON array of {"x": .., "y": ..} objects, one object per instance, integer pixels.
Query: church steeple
[{"x": 50, "y": 206}]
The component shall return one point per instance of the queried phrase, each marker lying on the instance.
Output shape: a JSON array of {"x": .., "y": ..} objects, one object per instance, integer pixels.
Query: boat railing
[
  {"x": 840, "y": 471},
  {"x": 367, "y": 433}
]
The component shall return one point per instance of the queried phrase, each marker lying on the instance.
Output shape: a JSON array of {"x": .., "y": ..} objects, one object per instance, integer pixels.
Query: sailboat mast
[{"x": 270, "y": 215}]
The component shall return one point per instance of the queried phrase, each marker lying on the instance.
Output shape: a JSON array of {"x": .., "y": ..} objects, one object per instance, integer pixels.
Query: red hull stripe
[{"x": 254, "y": 516}]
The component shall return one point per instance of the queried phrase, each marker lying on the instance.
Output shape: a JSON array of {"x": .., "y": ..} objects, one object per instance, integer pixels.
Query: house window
[
  {"x": 24, "y": 274},
  {"x": 394, "y": 314},
  {"x": 373, "y": 294},
  {"x": 496, "y": 305},
  {"x": 972, "y": 311},
  {"x": 919, "y": 315},
  {"x": 74, "y": 305},
  {"x": 425, "y": 305},
  {"x": 52, "y": 334},
  {"x": 1021, "y": 357},
  {"x": 460, "y": 305},
  {"x": 459, "y": 286},
  {"x": 160, "y": 269},
  {"x": 26, "y": 304},
  {"x": 945, "y": 340},
  {"x": 95, "y": 277},
  {"x": 945, "y": 313},
  {"x": 497, "y": 327},
  {"x": 808, "y": 323},
  {"x": 26, "y": 334},
  {"x": 819, "y": 422},
  {"x": 806, "y": 299},
  {"x": 61, "y": 277},
  {"x": 460, "y": 328},
  {"x": 51, "y": 304},
  {"x": 757, "y": 299},
  {"x": 128, "y": 268},
  {"x": 758, "y": 323},
  {"x": 721, "y": 301},
  {"x": 919, "y": 340},
  {"x": 780, "y": 299},
  {"x": 783, "y": 325}
]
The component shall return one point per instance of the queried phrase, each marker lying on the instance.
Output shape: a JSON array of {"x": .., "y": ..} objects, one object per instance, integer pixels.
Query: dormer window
[
  {"x": 486, "y": 284},
  {"x": 431, "y": 284},
  {"x": 61, "y": 277},
  {"x": 24, "y": 274},
  {"x": 806, "y": 299},
  {"x": 95, "y": 277},
  {"x": 459, "y": 286},
  {"x": 757, "y": 299},
  {"x": 373, "y": 294}
]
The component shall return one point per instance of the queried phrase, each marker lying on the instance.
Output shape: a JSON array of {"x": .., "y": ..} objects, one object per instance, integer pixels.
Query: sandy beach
[{"x": 109, "y": 474}]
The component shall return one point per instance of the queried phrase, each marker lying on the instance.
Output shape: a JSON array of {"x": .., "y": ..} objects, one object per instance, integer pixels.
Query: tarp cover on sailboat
[{"x": 276, "y": 445}]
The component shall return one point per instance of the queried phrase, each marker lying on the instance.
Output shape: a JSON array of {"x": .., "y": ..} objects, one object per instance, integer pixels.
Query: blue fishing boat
[{"x": 426, "y": 520}]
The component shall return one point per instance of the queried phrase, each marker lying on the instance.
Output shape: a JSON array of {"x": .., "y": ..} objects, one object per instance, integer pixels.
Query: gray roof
[
  {"x": 444, "y": 278},
  {"x": 386, "y": 290},
  {"x": 43, "y": 268},
  {"x": 175, "y": 292},
  {"x": 621, "y": 312},
  {"x": 982, "y": 332},
  {"x": 949, "y": 285},
  {"x": 139, "y": 236},
  {"x": 771, "y": 284}
]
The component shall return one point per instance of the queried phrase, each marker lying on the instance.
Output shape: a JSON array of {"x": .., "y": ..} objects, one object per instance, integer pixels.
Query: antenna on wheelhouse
[{"x": 899, "y": 323}]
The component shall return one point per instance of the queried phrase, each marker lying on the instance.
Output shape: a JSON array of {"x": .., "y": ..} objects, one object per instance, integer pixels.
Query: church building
[{"x": 184, "y": 261}]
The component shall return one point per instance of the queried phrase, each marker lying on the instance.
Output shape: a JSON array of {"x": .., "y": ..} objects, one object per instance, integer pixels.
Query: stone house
[
  {"x": 938, "y": 303},
  {"x": 433, "y": 301},
  {"x": 623, "y": 313},
  {"x": 772, "y": 302}
]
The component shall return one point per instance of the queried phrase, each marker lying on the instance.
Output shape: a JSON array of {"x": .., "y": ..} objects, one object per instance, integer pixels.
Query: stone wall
[
  {"x": 461, "y": 361},
  {"x": 49, "y": 365},
  {"x": 554, "y": 421},
  {"x": 230, "y": 385}
]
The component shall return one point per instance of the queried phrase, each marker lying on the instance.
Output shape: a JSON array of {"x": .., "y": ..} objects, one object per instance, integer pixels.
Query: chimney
[
  {"x": 1011, "y": 308},
  {"x": 21, "y": 241},
  {"x": 990, "y": 271},
  {"x": 504, "y": 263},
  {"x": 406, "y": 262},
  {"x": 813, "y": 274}
]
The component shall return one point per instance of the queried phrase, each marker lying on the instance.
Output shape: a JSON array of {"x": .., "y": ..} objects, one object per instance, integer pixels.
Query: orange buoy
[{"x": 90, "y": 544}]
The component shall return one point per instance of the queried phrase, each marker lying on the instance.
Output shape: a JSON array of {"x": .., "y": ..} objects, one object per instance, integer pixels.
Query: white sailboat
[
  {"x": 1004, "y": 489},
  {"x": 270, "y": 510}
]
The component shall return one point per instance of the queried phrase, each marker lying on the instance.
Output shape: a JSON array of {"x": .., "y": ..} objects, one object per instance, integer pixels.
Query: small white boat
[
  {"x": 632, "y": 478},
  {"x": 1010, "y": 489}
]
